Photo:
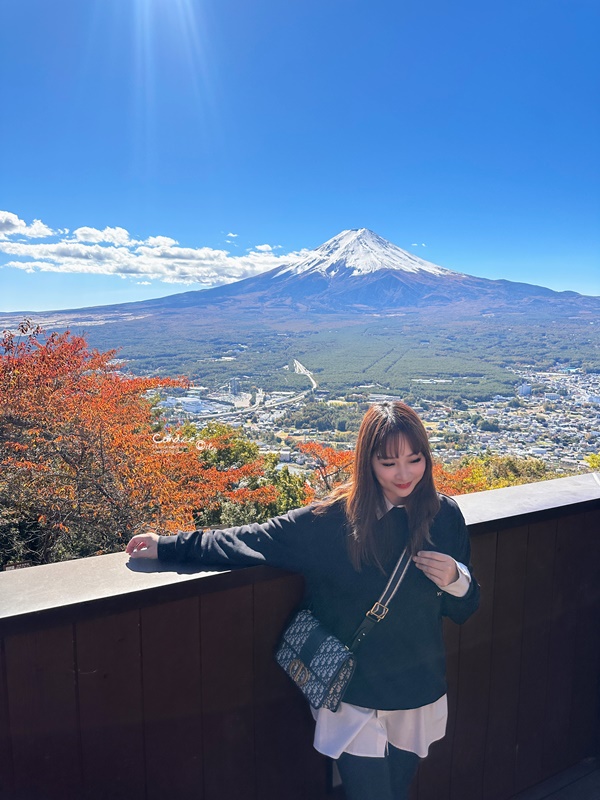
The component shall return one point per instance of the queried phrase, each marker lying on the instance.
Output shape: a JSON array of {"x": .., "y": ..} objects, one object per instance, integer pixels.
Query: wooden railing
[{"x": 132, "y": 681}]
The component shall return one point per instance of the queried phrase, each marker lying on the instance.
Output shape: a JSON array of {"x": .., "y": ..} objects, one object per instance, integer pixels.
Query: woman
[{"x": 346, "y": 546}]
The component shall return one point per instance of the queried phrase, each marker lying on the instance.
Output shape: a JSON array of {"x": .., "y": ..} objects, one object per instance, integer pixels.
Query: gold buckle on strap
[{"x": 378, "y": 611}]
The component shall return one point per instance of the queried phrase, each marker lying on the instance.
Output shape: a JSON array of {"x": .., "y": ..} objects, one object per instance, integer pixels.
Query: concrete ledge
[
  {"x": 85, "y": 587},
  {"x": 497, "y": 505},
  {"x": 70, "y": 590}
]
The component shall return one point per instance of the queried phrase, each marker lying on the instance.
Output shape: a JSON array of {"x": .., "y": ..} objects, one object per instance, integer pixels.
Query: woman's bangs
[{"x": 392, "y": 444}]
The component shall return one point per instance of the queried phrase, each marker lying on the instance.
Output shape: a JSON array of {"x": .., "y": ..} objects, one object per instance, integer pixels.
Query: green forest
[{"x": 471, "y": 359}]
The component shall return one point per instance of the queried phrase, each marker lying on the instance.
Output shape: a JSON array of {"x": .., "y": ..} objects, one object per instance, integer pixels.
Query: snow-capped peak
[{"x": 360, "y": 252}]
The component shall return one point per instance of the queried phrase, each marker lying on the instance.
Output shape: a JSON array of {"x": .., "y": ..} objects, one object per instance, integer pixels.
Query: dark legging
[{"x": 387, "y": 778}]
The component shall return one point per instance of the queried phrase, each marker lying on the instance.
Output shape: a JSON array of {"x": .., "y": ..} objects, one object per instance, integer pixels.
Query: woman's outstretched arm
[{"x": 284, "y": 541}]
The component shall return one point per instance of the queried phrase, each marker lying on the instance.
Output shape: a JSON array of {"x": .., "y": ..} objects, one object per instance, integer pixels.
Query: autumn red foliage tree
[
  {"x": 460, "y": 480},
  {"x": 81, "y": 463},
  {"x": 331, "y": 467}
]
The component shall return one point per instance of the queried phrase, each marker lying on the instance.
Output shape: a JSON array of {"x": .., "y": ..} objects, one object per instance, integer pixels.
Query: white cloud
[
  {"x": 415, "y": 244},
  {"x": 112, "y": 235},
  {"x": 11, "y": 224},
  {"x": 160, "y": 241},
  {"x": 112, "y": 251},
  {"x": 423, "y": 244},
  {"x": 232, "y": 235}
]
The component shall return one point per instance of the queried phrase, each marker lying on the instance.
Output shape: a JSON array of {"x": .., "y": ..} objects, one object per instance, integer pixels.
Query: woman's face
[{"x": 399, "y": 475}]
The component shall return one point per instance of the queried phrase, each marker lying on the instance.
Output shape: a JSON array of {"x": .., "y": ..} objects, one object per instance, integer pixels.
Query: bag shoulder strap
[{"x": 380, "y": 609}]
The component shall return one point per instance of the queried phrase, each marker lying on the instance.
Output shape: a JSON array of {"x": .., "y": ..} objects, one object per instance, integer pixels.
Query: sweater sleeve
[
  {"x": 280, "y": 542},
  {"x": 459, "y": 609}
]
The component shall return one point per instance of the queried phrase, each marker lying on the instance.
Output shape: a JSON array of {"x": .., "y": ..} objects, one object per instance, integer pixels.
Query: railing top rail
[
  {"x": 102, "y": 584},
  {"x": 514, "y": 502},
  {"x": 70, "y": 590}
]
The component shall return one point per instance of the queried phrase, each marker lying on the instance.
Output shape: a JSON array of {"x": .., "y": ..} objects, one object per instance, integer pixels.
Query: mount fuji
[{"x": 357, "y": 272}]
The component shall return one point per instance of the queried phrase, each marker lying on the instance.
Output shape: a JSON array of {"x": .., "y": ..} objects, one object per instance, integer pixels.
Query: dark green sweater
[{"x": 401, "y": 664}]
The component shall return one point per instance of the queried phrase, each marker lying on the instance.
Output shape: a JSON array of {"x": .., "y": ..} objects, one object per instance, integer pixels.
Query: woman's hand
[
  {"x": 143, "y": 545},
  {"x": 439, "y": 567}
]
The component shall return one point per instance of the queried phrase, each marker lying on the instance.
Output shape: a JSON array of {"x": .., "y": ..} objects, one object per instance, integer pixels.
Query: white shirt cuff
[{"x": 461, "y": 585}]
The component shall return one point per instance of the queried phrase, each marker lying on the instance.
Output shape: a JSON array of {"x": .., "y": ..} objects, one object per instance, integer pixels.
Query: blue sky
[{"x": 164, "y": 145}]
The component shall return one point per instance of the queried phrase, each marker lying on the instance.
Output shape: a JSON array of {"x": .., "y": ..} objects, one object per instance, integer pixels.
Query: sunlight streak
[
  {"x": 144, "y": 116},
  {"x": 170, "y": 46}
]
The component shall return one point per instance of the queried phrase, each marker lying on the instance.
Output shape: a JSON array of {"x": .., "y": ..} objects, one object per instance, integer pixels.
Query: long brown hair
[{"x": 381, "y": 431}]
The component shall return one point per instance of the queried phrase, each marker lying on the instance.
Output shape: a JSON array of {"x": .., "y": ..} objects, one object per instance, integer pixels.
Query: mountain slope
[{"x": 358, "y": 271}]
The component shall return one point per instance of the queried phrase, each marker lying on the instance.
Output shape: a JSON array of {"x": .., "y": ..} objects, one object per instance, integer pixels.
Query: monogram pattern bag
[{"x": 319, "y": 664}]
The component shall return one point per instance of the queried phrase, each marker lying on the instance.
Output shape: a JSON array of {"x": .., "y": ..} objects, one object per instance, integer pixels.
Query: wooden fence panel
[
  {"x": 286, "y": 763},
  {"x": 274, "y": 601},
  {"x": 435, "y": 773},
  {"x": 226, "y": 625},
  {"x": 42, "y": 709},
  {"x": 468, "y": 753},
  {"x": 6, "y": 760},
  {"x": 584, "y": 721},
  {"x": 541, "y": 551},
  {"x": 501, "y": 739},
  {"x": 172, "y": 688},
  {"x": 561, "y": 660},
  {"x": 110, "y": 702}
]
